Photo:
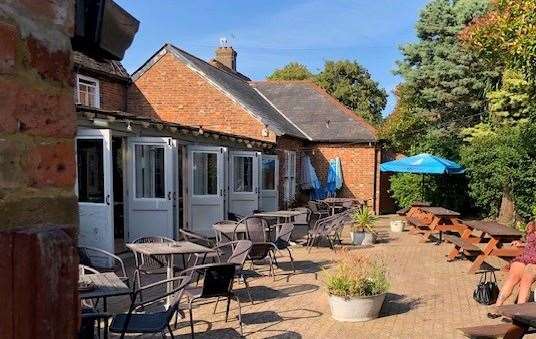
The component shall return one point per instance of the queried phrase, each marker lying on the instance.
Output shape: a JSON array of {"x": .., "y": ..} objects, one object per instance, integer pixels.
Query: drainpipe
[{"x": 374, "y": 185}]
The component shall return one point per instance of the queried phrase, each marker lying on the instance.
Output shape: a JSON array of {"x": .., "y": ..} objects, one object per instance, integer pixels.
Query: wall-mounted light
[
  {"x": 201, "y": 130},
  {"x": 129, "y": 126},
  {"x": 327, "y": 123},
  {"x": 265, "y": 132},
  {"x": 100, "y": 122}
]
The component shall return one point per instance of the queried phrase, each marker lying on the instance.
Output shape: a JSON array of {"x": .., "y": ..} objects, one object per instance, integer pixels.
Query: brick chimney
[{"x": 226, "y": 55}]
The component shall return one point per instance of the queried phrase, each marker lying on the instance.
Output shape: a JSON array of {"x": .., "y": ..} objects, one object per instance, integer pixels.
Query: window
[
  {"x": 242, "y": 174},
  {"x": 268, "y": 174},
  {"x": 290, "y": 176},
  {"x": 205, "y": 172},
  {"x": 89, "y": 154},
  {"x": 149, "y": 167},
  {"x": 87, "y": 93}
]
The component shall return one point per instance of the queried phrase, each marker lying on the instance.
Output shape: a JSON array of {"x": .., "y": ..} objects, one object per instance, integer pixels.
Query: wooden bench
[
  {"x": 416, "y": 222},
  {"x": 461, "y": 243},
  {"x": 509, "y": 331}
]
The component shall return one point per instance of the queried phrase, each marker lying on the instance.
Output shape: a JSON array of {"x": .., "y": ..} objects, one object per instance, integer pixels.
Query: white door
[
  {"x": 269, "y": 177},
  {"x": 94, "y": 186},
  {"x": 151, "y": 187},
  {"x": 243, "y": 182},
  {"x": 289, "y": 180},
  {"x": 205, "y": 187}
]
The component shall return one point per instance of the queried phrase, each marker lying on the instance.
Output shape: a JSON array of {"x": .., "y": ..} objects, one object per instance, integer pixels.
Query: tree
[
  {"x": 447, "y": 82},
  {"x": 353, "y": 85},
  {"x": 506, "y": 35},
  {"x": 291, "y": 71}
]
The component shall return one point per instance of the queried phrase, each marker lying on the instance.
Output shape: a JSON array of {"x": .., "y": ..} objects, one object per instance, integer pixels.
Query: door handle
[
  {"x": 221, "y": 192},
  {"x": 108, "y": 199},
  {"x": 169, "y": 195},
  {"x": 174, "y": 195}
]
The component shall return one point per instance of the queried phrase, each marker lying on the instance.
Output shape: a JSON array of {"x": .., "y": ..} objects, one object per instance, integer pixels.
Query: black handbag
[{"x": 487, "y": 291}]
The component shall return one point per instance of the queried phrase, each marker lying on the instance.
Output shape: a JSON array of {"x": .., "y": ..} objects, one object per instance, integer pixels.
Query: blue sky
[{"x": 269, "y": 34}]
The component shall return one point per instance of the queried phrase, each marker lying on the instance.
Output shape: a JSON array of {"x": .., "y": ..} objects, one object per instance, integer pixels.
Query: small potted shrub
[
  {"x": 356, "y": 287},
  {"x": 362, "y": 231}
]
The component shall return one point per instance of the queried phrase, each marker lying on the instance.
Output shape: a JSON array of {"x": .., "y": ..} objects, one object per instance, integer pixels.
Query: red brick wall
[
  {"x": 358, "y": 168},
  {"x": 173, "y": 92},
  {"x": 38, "y": 269}
]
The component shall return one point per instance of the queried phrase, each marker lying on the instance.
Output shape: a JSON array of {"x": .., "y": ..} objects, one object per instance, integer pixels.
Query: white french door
[
  {"x": 205, "y": 187},
  {"x": 269, "y": 177},
  {"x": 151, "y": 187},
  {"x": 290, "y": 177},
  {"x": 94, "y": 187},
  {"x": 243, "y": 182}
]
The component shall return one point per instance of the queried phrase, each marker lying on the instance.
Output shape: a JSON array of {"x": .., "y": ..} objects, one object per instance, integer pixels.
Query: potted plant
[
  {"x": 356, "y": 287},
  {"x": 362, "y": 230}
]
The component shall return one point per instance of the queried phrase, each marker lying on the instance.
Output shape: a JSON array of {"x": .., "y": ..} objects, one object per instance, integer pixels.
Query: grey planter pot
[
  {"x": 356, "y": 308},
  {"x": 362, "y": 238}
]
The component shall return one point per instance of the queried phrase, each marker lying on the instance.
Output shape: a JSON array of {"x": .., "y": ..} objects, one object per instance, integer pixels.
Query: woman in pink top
[{"x": 522, "y": 270}]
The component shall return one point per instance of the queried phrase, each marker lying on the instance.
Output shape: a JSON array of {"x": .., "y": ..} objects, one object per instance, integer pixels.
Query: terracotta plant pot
[{"x": 356, "y": 308}]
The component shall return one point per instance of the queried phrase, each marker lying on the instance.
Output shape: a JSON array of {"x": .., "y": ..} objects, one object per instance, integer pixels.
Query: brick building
[{"x": 299, "y": 117}]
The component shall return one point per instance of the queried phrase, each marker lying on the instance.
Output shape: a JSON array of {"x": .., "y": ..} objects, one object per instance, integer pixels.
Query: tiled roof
[
  {"x": 103, "y": 66},
  {"x": 233, "y": 85},
  {"x": 315, "y": 112}
]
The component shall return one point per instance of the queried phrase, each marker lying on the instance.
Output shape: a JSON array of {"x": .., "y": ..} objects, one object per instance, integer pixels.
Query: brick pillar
[{"x": 37, "y": 170}]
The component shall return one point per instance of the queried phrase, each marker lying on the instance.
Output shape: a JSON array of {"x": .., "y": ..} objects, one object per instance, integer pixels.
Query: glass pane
[
  {"x": 149, "y": 164},
  {"x": 243, "y": 174},
  {"x": 205, "y": 173},
  {"x": 90, "y": 170},
  {"x": 268, "y": 174}
]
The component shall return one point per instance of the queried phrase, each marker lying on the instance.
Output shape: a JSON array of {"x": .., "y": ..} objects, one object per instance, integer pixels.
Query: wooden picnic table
[
  {"x": 169, "y": 249},
  {"x": 523, "y": 315},
  {"x": 428, "y": 220},
  {"x": 495, "y": 236}
]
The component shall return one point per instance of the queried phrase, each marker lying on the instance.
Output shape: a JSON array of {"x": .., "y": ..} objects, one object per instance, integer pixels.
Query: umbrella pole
[{"x": 422, "y": 188}]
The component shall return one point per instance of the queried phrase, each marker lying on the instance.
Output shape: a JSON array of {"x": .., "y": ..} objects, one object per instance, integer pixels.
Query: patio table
[
  {"x": 229, "y": 230},
  {"x": 169, "y": 249},
  {"x": 496, "y": 235},
  {"x": 284, "y": 215},
  {"x": 106, "y": 285},
  {"x": 337, "y": 203}
]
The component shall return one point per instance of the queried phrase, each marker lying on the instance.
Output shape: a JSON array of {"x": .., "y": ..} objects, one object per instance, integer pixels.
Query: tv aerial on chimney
[{"x": 224, "y": 42}]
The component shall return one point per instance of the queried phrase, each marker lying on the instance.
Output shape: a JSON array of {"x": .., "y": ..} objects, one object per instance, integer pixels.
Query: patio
[{"x": 429, "y": 297}]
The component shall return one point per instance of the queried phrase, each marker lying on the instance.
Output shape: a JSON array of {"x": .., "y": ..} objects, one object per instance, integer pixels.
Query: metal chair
[
  {"x": 156, "y": 321},
  {"x": 240, "y": 250},
  {"x": 328, "y": 228},
  {"x": 316, "y": 211},
  {"x": 149, "y": 264},
  {"x": 261, "y": 249},
  {"x": 199, "y": 258},
  {"x": 98, "y": 259},
  {"x": 282, "y": 240},
  {"x": 217, "y": 283}
]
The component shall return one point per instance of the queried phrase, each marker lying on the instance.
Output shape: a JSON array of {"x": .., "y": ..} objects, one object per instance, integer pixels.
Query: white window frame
[
  {"x": 97, "y": 89},
  {"x": 290, "y": 176}
]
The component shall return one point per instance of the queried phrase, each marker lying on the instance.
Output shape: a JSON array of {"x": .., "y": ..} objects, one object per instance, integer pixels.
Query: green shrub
[
  {"x": 364, "y": 219},
  {"x": 356, "y": 275}
]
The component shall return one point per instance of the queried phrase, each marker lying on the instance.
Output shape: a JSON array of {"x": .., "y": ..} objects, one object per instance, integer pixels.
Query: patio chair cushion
[
  {"x": 281, "y": 244},
  {"x": 140, "y": 322}
]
